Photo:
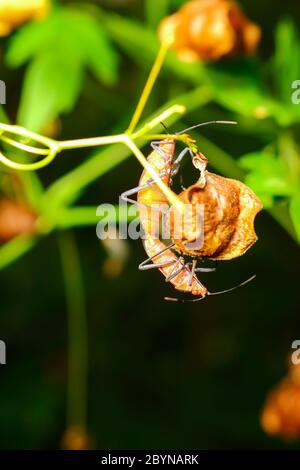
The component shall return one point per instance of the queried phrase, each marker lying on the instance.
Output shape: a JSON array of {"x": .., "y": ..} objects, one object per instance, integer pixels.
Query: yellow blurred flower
[
  {"x": 13, "y": 13},
  {"x": 210, "y": 29},
  {"x": 281, "y": 414}
]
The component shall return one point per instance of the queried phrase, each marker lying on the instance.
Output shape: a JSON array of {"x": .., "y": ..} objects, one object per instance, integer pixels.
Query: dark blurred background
[{"x": 161, "y": 375}]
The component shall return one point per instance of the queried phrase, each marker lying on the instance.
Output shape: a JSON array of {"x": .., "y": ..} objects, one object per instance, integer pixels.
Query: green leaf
[
  {"x": 240, "y": 89},
  {"x": 262, "y": 162},
  {"x": 77, "y": 28},
  {"x": 15, "y": 248},
  {"x": 295, "y": 213},
  {"x": 286, "y": 66},
  {"x": 269, "y": 186},
  {"x": 286, "y": 63},
  {"x": 3, "y": 115},
  {"x": 92, "y": 42},
  {"x": 59, "y": 49},
  {"x": 268, "y": 176},
  {"x": 51, "y": 87},
  {"x": 156, "y": 10},
  {"x": 30, "y": 40}
]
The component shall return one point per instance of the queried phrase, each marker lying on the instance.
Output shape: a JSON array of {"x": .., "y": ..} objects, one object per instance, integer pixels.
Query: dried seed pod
[
  {"x": 229, "y": 209},
  {"x": 77, "y": 438},
  {"x": 209, "y": 30},
  {"x": 281, "y": 412},
  {"x": 15, "y": 219}
]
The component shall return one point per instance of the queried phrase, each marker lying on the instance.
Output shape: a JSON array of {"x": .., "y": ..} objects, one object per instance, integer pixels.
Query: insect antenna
[
  {"x": 183, "y": 301},
  {"x": 165, "y": 127},
  {"x": 233, "y": 288},
  {"x": 205, "y": 124},
  {"x": 171, "y": 299}
]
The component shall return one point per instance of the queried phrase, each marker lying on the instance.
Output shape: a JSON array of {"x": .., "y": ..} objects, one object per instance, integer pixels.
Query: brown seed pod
[
  {"x": 229, "y": 209},
  {"x": 209, "y": 30},
  {"x": 15, "y": 219},
  {"x": 77, "y": 438},
  {"x": 281, "y": 412}
]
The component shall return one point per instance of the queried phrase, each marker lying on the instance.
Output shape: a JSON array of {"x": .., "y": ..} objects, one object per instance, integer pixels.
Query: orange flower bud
[
  {"x": 77, "y": 438},
  {"x": 210, "y": 29},
  {"x": 13, "y": 13},
  {"x": 15, "y": 219},
  {"x": 281, "y": 413}
]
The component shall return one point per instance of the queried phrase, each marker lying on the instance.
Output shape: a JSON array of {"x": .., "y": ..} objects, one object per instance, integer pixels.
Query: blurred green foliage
[
  {"x": 55, "y": 73},
  {"x": 160, "y": 375}
]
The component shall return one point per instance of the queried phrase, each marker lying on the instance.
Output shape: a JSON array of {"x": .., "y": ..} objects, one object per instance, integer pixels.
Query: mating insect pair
[{"x": 229, "y": 209}]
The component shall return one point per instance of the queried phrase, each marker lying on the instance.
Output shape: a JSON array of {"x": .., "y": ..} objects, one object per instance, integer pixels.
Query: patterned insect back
[
  {"x": 150, "y": 199},
  {"x": 152, "y": 203}
]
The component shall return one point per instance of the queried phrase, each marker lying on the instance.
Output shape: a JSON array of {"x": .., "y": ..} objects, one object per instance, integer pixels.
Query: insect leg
[
  {"x": 183, "y": 188},
  {"x": 126, "y": 195},
  {"x": 176, "y": 163},
  {"x": 175, "y": 299},
  {"x": 145, "y": 266},
  {"x": 211, "y": 293},
  {"x": 205, "y": 270},
  {"x": 175, "y": 273},
  {"x": 156, "y": 147},
  {"x": 192, "y": 273}
]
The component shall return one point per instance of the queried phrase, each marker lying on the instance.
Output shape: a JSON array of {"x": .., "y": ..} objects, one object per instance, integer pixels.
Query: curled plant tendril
[
  {"x": 35, "y": 144},
  {"x": 19, "y": 138}
]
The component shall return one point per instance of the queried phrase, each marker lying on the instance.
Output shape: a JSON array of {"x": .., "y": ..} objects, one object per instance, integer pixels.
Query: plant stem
[
  {"x": 32, "y": 185},
  {"x": 67, "y": 189},
  {"x": 86, "y": 216},
  {"x": 149, "y": 86},
  {"x": 77, "y": 331},
  {"x": 91, "y": 142},
  {"x": 157, "y": 120},
  {"x": 15, "y": 248},
  {"x": 169, "y": 194},
  {"x": 30, "y": 166}
]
